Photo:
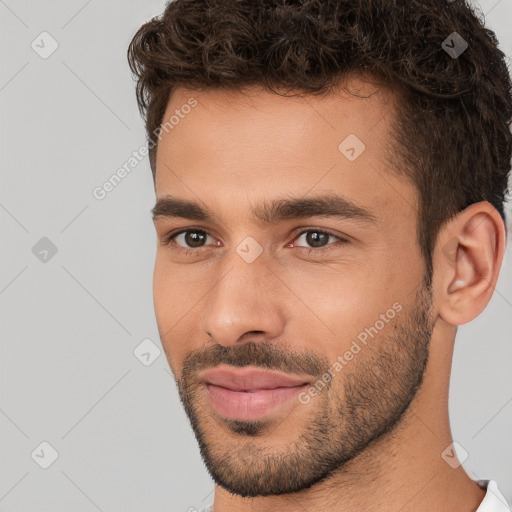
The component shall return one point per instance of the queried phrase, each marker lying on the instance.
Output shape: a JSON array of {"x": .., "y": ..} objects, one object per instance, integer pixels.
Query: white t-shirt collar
[{"x": 493, "y": 501}]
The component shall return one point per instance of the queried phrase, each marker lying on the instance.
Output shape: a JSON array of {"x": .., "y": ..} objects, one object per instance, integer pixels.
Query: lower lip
[{"x": 249, "y": 405}]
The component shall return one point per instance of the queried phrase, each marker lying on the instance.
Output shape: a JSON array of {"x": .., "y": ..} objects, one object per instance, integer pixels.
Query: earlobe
[{"x": 470, "y": 262}]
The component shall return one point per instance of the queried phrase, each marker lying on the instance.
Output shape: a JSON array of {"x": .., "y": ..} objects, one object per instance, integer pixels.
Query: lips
[
  {"x": 249, "y": 379},
  {"x": 249, "y": 394}
]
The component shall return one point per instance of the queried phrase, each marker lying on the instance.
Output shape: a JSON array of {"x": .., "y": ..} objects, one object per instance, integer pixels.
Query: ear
[{"x": 467, "y": 259}]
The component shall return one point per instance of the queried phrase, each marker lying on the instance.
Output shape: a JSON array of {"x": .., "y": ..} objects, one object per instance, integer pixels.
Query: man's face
[{"x": 332, "y": 305}]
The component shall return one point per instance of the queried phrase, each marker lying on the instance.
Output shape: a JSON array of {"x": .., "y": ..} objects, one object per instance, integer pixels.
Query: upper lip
[{"x": 243, "y": 379}]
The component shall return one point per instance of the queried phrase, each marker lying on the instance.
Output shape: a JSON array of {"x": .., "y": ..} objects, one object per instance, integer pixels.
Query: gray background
[{"x": 71, "y": 323}]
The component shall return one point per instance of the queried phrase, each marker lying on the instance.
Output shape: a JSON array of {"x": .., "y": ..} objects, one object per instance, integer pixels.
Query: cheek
[
  {"x": 345, "y": 302},
  {"x": 328, "y": 305},
  {"x": 177, "y": 302},
  {"x": 175, "y": 289},
  {"x": 167, "y": 308},
  {"x": 163, "y": 298}
]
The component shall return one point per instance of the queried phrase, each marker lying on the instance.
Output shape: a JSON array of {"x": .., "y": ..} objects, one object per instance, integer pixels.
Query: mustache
[{"x": 262, "y": 354}]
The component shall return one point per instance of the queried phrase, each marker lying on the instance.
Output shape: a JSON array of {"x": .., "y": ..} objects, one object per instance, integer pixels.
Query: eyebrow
[{"x": 330, "y": 205}]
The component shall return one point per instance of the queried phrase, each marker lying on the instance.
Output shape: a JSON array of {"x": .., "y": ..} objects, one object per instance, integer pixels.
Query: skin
[{"x": 236, "y": 150}]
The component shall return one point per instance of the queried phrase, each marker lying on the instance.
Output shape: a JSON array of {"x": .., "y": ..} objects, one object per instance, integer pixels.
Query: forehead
[
  {"x": 352, "y": 87},
  {"x": 354, "y": 104},
  {"x": 253, "y": 143}
]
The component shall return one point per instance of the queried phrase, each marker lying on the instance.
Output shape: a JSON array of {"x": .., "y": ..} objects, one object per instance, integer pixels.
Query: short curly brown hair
[{"x": 451, "y": 135}]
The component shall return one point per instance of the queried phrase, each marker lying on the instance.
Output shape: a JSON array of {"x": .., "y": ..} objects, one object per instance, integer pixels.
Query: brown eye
[
  {"x": 195, "y": 238},
  {"x": 316, "y": 238},
  {"x": 190, "y": 238}
]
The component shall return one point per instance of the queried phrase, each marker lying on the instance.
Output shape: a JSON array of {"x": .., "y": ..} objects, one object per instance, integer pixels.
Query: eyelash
[{"x": 168, "y": 239}]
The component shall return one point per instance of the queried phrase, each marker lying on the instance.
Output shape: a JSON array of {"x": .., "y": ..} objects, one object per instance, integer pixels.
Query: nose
[{"x": 245, "y": 304}]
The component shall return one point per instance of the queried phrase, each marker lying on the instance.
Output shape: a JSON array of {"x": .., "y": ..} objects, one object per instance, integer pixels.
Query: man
[{"x": 330, "y": 178}]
